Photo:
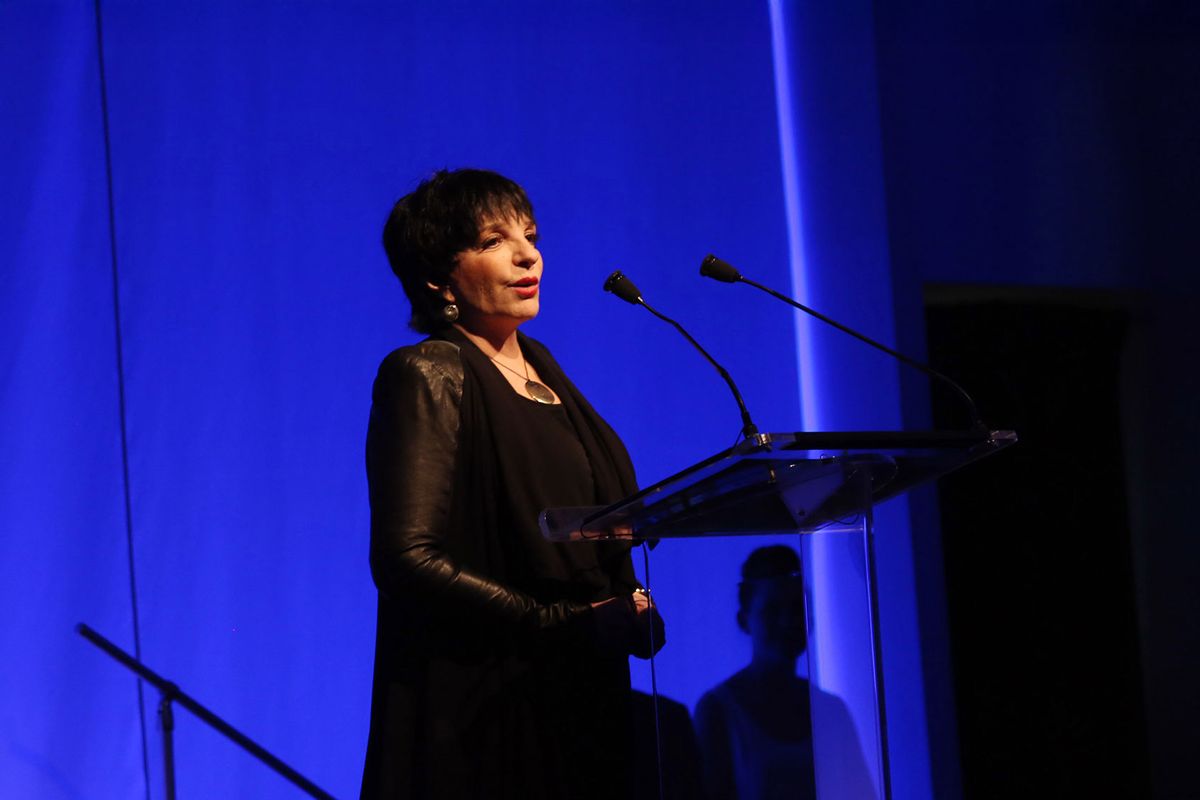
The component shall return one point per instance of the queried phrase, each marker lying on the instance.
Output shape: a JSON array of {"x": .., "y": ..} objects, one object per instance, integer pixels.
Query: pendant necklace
[{"x": 535, "y": 390}]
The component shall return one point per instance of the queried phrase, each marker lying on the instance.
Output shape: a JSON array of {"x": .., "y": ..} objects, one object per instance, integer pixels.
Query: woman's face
[{"x": 496, "y": 281}]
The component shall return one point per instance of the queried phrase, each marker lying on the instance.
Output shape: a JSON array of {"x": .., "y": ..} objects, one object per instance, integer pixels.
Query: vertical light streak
[
  {"x": 789, "y": 167},
  {"x": 841, "y": 643}
]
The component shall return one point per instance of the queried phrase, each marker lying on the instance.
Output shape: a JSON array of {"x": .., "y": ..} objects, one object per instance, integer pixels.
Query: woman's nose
[{"x": 526, "y": 254}]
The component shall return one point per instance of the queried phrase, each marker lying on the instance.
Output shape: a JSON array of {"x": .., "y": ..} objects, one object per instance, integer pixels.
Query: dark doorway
[{"x": 1037, "y": 548}]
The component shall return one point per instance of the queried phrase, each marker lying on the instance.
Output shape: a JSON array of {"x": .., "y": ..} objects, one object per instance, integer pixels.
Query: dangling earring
[{"x": 450, "y": 312}]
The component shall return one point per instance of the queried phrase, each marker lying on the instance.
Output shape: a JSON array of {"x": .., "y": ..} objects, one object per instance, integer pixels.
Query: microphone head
[
  {"x": 623, "y": 288},
  {"x": 715, "y": 268}
]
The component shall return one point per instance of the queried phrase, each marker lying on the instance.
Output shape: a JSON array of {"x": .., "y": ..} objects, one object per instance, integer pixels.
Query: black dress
[{"x": 486, "y": 681}]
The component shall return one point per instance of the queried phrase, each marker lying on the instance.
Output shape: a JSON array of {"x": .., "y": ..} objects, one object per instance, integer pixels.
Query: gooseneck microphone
[
  {"x": 623, "y": 288},
  {"x": 715, "y": 268}
]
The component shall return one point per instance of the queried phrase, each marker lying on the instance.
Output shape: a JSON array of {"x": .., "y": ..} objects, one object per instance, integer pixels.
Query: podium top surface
[{"x": 779, "y": 483}]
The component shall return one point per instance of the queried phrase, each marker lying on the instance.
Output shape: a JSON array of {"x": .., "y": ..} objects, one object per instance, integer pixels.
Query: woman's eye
[
  {"x": 533, "y": 237},
  {"x": 489, "y": 242}
]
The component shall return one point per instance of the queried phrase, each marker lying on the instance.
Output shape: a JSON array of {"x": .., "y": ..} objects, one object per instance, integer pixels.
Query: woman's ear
[
  {"x": 443, "y": 291},
  {"x": 741, "y": 621}
]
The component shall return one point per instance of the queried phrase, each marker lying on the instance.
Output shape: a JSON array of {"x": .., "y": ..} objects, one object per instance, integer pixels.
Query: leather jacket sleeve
[{"x": 412, "y": 444}]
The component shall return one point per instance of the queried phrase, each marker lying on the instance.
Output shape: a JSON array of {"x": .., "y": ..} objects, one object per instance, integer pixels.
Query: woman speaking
[{"x": 501, "y": 662}]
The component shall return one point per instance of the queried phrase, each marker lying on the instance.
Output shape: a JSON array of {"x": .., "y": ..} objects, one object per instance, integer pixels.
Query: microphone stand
[
  {"x": 170, "y": 693},
  {"x": 620, "y": 285},
  {"x": 715, "y": 268}
]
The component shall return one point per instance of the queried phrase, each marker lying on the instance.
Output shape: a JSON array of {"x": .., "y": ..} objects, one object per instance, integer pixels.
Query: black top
[{"x": 551, "y": 469}]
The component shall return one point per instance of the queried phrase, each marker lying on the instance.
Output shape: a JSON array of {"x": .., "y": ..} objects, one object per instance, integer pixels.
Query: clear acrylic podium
[{"x": 822, "y": 485}]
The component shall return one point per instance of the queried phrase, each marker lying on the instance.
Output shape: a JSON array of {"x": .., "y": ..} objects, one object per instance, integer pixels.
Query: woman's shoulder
[
  {"x": 430, "y": 355},
  {"x": 432, "y": 362}
]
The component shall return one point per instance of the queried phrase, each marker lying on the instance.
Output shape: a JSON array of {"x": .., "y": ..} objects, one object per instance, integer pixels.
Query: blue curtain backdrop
[
  {"x": 67, "y": 728},
  {"x": 256, "y": 149}
]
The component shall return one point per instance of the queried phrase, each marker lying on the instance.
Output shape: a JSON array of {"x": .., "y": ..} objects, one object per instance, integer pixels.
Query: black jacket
[{"x": 482, "y": 689}]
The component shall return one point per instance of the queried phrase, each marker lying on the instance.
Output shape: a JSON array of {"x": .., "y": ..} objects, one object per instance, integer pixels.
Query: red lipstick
[{"x": 526, "y": 288}]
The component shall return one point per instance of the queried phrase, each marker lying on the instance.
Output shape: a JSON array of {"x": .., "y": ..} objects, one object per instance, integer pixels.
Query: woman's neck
[{"x": 493, "y": 341}]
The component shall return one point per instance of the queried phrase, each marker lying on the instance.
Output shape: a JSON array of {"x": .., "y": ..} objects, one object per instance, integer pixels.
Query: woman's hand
[
  {"x": 629, "y": 625},
  {"x": 651, "y": 632}
]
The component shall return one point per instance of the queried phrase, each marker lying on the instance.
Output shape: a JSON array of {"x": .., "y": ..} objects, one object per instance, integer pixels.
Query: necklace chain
[
  {"x": 524, "y": 363},
  {"x": 536, "y": 391}
]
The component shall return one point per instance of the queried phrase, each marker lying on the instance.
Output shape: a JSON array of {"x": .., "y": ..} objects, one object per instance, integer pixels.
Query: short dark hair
[
  {"x": 764, "y": 563},
  {"x": 432, "y": 224}
]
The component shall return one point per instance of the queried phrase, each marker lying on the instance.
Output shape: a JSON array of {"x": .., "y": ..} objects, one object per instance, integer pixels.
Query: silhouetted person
[
  {"x": 680, "y": 753},
  {"x": 755, "y": 729}
]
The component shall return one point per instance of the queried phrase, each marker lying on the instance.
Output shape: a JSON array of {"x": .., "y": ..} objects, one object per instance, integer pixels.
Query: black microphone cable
[
  {"x": 658, "y": 750},
  {"x": 620, "y": 285}
]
